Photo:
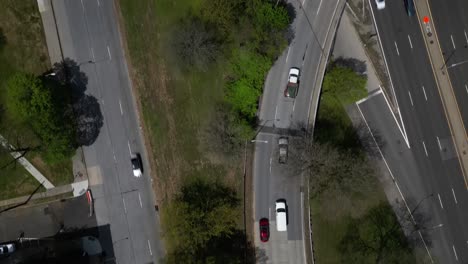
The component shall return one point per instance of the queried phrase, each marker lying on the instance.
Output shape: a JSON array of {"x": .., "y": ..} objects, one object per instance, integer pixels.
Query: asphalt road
[
  {"x": 88, "y": 31},
  {"x": 435, "y": 169},
  {"x": 451, "y": 23},
  {"x": 272, "y": 181}
]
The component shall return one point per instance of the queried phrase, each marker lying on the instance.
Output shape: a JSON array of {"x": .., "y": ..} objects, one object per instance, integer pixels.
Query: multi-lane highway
[
  {"x": 427, "y": 170},
  {"x": 88, "y": 32},
  {"x": 315, "y": 26},
  {"x": 451, "y": 22}
]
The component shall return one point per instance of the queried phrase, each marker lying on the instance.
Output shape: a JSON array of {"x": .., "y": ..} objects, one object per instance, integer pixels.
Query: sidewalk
[
  {"x": 27, "y": 165},
  {"x": 452, "y": 112}
]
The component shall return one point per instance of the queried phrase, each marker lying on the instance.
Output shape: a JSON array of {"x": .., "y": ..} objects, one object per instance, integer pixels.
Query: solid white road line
[
  {"x": 396, "y": 47},
  {"x": 125, "y": 207},
  {"x": 370, "y": 96},
  {"x": 440, "y": 200},
  {"x": 391, "y": 174},
  {"x": 424, "y": 91},
  {"x": 269, "y": 212},
  {"x": 92, "y": 54},
  {"x": 425, "y": 150},
  {"x": 149, "y": 247},
  {"x": 410, "y": 43},
  {"x": 121, "y": 110},
  {"x": 276, "y": 112},
  {"x": 294, "y": 105},
  {"x": 139, "y": 198},
  {"x": 82, "y": 5},
  {"x": 318, "y": 9},
  {"x": 466, "y": 37},
  {"x": 438, "y": 142},
  {"x": 271, "y": 159},
  {"x": 455, "y": 252},
  {"x": 129, "y": 148},
  {"x": 453, "y": 42},
  {"x": 287, "y": 55},
  {"x": 411, "y": 98},
  {"x": 108, "y": 51},
  {"x": 98, "y": 3},
  {"x": 402, "y": 128},
  {"x": 302, "y": 217},
  {"x": 466, "y": 88},
  {"x": 454, "y": 197}
]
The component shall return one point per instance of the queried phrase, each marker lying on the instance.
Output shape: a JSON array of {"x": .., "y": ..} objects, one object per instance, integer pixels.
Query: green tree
[
  {"x": 249, "y": 71},
  {"x": 32, "y": 102},
  {"x": 344, "y": 84},
  {"x": 204, "y": 210},
  {"x": 376, "y": 238},
  {"x": 271, "y": 23},
  {"x": 223, "y": 14}
]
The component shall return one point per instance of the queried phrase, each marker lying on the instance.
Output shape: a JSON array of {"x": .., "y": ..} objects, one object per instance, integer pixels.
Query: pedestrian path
[{"x": 27, "y": 165}]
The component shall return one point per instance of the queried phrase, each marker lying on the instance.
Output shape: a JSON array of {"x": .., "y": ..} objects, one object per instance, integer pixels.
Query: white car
[
  {"x": 137, "y": 166},
  {"x": 380, "y": 4},
  {"x": 281, "y": 215}
]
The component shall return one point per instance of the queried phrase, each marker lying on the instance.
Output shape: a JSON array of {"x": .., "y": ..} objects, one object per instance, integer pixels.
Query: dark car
[
  {"x": 264, "y": 229},
  {"x": 409, "y": 5}
]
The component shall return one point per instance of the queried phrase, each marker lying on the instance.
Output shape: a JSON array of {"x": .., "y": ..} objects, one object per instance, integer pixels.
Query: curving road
[{"x": 315, "y": 26}]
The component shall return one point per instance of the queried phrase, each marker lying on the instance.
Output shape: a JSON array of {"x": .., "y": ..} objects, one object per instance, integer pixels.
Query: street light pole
[{"x": 456, "y": 64}]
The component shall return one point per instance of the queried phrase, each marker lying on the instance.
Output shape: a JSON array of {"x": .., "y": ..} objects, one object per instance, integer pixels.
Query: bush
[
  {"x": 249, "y": 71},
  {"x": 344, "y": 84}
]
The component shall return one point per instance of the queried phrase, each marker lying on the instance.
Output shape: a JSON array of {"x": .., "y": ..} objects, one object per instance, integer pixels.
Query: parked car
[
  {"x": 281, "y": 215},
  {"x": 380, "y": 4},
  {"x": 293, "y": 83},
  {"x": 137, "y": 165},
  {"x": 264, "y": 229},
  {"x": 6, "y": 249},
  {"x": 283, "y": 149}
]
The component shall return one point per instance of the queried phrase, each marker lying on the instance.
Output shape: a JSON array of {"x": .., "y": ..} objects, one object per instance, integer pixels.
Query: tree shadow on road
[{"x": 85, "y": 108}]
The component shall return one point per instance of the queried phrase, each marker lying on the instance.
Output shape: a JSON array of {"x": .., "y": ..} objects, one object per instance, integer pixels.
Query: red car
[{"x": 264, "y": 229}]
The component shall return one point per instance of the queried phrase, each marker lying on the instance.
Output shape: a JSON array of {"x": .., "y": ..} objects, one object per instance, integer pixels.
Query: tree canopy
[
  {"x": 344, "y": 84},
  {"x": 32, "y": 102},
  {"x": 202, "y": 203}
]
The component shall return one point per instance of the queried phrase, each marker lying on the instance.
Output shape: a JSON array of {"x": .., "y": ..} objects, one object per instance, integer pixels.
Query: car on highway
[
  {"x": 6, "y": 249},
  {"x": 137, "y": 165},
  {"x": 293, "y": 83},
  {"x": 380, "y": 4},
  {"x": 283, "y": 150},
  {"x": 409, "y": 5},
  {"x": 281, "y": 215},
  {"x": 264, "y": 229}
]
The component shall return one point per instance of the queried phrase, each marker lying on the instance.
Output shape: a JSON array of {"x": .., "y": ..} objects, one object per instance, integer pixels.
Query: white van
[{"x": 281, "y": 215}]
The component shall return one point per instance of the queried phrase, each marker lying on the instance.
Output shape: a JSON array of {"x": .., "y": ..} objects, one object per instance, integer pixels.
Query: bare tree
[{"x": 196, "y": 44}]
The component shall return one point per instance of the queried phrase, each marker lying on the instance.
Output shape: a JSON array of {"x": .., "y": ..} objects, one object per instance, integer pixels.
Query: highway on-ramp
[{"x": 89, "y": 35}]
